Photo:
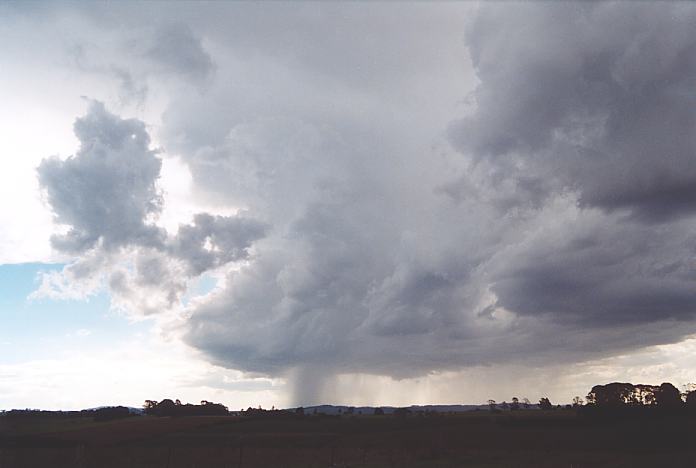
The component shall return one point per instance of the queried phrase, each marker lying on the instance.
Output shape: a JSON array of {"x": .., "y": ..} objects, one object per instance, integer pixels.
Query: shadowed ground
[{"x": 558, "y": 438}]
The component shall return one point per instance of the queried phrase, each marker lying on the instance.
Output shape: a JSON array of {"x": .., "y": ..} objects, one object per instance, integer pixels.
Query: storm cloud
[
  {"x": 596, "y": 99},
  {"x": 571, "y": 216},
  {"x": 176, "y": 49},
  {"x": 416, "y": 188}
]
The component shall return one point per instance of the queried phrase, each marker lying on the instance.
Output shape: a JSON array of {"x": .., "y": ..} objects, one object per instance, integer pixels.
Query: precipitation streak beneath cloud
[{"x": 380, "y": 226}]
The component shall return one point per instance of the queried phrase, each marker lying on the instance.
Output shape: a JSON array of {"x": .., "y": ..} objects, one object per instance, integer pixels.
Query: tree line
[
  {"x": 615, "y": 395},
  {"x": 516, "y": 404},
  {"x": 169, "y": 407},
  {"x": 624, "y": 394}
]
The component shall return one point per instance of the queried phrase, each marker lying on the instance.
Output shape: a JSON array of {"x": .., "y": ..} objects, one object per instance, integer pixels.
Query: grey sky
[{"x": 407, "y": 188}]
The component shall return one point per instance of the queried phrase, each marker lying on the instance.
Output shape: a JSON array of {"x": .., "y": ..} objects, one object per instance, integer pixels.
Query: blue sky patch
[{"x": 42, "y": 328}]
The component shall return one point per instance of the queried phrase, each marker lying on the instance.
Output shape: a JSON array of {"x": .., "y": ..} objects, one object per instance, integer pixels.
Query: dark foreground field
[{"x": 513, "y": 439}]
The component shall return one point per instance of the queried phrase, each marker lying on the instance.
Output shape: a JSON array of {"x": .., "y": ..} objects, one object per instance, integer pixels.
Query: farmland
[{"x": 279, "y": 439}]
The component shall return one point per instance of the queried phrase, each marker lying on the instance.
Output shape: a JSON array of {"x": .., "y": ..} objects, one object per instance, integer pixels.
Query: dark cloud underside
[{"x": 571, "y": 216}]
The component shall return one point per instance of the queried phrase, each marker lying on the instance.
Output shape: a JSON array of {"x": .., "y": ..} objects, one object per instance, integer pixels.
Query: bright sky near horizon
[{"x": 348, "y": 203}]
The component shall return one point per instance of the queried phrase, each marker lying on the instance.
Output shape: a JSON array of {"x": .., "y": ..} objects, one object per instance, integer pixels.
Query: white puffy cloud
[
  {"x": 108, "y": 197},
  {"x": 107, "y": 191}
]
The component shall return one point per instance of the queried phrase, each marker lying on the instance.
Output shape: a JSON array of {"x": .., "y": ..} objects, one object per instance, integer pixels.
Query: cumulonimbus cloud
[
  {"x": 594, "y": 99},
  {"x": 571, "y": 219},
  {"x": 560, "y": 229}
]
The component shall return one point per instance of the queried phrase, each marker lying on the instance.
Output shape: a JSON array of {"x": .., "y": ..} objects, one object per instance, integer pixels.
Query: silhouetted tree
[
  {"x": 149, "y": 404},
  {"x": 545, "y": 404},
  {"x": 255, "y": 412},
  {"x": 164, "y": 408},
  {"x": 686, "y": 389},
  {"x": 611, "y": 395},
  {"x": 111, "y": 412},
  {"x": 643, "y": 395},
  {"x": 491, "y": 405},
  {"x": 515, "y": 405},
  {"x": 691, "y": 400},
  {"x": 578, "y": 401},
  {"x": 168, "y": 407},
  {"x": 526, "y": 403},
  {"x": 623, "y": 394},
  {"x": 668, "y": 396}
]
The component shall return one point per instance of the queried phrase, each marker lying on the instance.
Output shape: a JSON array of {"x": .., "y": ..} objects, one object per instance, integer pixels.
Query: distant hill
[
  {"x": 131, "y": 409},
  {"x": 334, "y": 410}
]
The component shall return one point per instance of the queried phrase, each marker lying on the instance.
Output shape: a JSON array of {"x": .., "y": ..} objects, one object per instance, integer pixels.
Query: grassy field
[{"x": 478, "y": 439}]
